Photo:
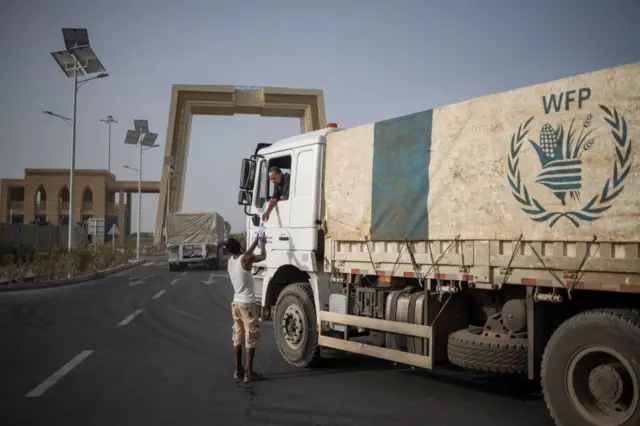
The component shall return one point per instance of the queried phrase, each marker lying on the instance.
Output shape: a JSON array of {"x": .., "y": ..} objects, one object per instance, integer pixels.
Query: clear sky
[{"x": 373, "y": 59}]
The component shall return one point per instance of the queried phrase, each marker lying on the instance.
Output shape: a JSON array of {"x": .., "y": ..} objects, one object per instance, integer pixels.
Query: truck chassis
[{"x": 546, "y": 311}]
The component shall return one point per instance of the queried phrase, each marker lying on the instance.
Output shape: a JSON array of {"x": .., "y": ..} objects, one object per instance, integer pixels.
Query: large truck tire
[
  {"x": 591, "y": 369},
  {"x": 471, "y": 349},
  {"x": 173, "y": 267},
  {"x": 294, "y": 326}
]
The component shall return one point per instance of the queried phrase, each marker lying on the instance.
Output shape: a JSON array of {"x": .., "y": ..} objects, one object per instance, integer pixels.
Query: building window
[{"x": 41, "y": 198}]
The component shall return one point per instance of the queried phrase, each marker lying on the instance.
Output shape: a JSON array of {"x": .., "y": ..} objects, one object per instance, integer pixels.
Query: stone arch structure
[{"x": 189, "y": 100}]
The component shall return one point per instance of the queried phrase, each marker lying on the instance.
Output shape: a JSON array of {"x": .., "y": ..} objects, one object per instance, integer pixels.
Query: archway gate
[{"x": 190, "y": 100}]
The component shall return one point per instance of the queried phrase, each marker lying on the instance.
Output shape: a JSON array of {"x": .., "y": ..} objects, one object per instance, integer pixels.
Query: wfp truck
[
  {"x": 195, "y": 239},
  {"x": 500, "y": 234}
]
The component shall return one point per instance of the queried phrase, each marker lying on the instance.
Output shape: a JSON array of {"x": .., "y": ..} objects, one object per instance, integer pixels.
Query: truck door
[
  {"x": 304, "y": 200},
  {"x": 277, "y": 227}
]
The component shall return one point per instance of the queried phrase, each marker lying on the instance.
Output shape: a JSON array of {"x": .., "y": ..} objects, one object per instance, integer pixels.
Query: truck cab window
[{"x": 284, "y": 164}]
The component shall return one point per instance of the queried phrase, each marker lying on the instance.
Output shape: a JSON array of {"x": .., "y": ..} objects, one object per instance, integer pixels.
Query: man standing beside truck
[
  {"x": 280, "y": 191},
  {"x": 246, "y": 321}
]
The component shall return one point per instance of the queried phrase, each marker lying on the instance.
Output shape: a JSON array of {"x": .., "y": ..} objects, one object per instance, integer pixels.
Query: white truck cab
[{"x": 295, "y": 243}]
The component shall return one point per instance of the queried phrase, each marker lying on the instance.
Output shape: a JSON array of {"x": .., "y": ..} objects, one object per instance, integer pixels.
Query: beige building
[{"x": 43, "y": 196}]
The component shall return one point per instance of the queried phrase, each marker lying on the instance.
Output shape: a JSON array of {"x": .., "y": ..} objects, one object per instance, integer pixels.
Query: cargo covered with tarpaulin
[
  {"x": 195, "y": 228},
  {"x": 558, "y": 161}
]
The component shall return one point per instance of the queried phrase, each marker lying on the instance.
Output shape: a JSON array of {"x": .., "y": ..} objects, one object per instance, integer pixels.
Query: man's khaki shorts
[{"x": 246, "y": 324}]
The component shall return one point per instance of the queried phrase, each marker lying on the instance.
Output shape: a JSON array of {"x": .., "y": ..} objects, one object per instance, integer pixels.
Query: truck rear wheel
[
  {"x": 591, "y": 369},
  {"x": 294, "y": 326}
]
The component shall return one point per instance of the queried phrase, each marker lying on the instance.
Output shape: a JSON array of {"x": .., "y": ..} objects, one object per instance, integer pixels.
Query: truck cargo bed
[
  {"x": 552, "y": 162},
  {"x": 535, "y": 186}
]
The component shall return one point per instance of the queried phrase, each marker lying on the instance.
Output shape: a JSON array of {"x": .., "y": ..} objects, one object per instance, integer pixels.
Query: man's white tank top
[{"x": 242, "y": 281}]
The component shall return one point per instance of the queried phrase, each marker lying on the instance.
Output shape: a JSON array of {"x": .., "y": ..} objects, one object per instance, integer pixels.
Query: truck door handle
[{"x": 283, "y": 238}]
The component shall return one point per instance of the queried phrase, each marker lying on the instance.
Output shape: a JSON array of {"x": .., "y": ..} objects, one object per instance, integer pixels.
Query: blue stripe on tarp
[{"x": 400, "y": 188}]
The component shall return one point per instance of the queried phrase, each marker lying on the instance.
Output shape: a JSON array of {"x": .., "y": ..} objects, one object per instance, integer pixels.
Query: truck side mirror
[
  {"x": 244, "y": 198},
  {"x": 247, "y": 174}
]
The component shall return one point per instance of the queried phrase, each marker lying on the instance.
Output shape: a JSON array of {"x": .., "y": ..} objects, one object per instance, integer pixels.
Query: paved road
[{"x": 150, "y": 347}]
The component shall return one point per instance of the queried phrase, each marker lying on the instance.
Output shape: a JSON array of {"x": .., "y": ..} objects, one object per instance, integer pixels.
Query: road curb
[{"x": 69, "y": 281}]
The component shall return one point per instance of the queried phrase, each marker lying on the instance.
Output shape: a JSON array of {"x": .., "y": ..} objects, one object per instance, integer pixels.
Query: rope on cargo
[
  {"x": 435, "y": 263},
  {"x": 421, "y": 278},
  {"x": 579, "y": 273},
  {"x": 547, "y": 268},
  {"x": 433, "y": 323},
  {"x": 507, "y": 271},
  {"x": 414, "y": 264},
  {"x": 373, "y": 265},
  {"x": 397, "y": 263}
]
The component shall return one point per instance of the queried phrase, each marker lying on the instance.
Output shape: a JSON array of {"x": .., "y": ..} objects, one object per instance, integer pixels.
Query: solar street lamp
[
  {"x": 146, "y": 140},
  {"x": 76, "y": 60},
  {"x": 109, "y": 120}
]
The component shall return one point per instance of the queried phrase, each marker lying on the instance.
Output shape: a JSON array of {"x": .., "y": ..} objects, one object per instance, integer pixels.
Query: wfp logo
[
  {"x": 560, "y": 159},
  {"x": 560, "y": 154}
]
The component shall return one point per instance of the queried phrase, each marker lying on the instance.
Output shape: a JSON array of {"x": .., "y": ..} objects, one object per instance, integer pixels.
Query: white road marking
[
  {"x": 158, "y": 294},
  {"x": 175, "y": 281},
  {"x": 130, "y": 318},
  {"x": 140, "y": 281},
  {"x": 53, "y": 379},
  {"x": 210, "y": 280},
  {"x": 183, "y": 274}
]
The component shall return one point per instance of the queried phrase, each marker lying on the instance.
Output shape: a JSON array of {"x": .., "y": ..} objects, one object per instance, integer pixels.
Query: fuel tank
[{"x": 407, "y": 307}]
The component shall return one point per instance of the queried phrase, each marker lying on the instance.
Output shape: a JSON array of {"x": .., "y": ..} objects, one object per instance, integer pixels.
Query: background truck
[
  {"x": 500, "y": 234},
  {"x": 195, "y": 238}
]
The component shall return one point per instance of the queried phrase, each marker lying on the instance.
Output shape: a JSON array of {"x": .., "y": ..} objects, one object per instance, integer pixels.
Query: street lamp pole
[
  {"x": 140, "y": 136},
  {"x": 72, "y": 171},
  {"x": 139, "y": 204},
  {"x": 77, "y": 59},
  {"x": 109, "y": 120}
]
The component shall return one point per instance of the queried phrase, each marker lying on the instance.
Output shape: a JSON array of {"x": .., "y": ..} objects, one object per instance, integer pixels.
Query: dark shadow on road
[
  {"x": 346, "y": 365},
  {"x": 512, "y": 387},
  {"x": 509, "y": 386}
]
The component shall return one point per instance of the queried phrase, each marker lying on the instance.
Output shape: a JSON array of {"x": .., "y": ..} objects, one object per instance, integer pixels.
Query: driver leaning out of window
[{"x": 280, "y": 189}]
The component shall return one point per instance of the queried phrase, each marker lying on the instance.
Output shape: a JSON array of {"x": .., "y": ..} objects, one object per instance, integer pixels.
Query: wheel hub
[
  {"x": 606, "y": 383},
  {"x": 292, "y": 326},
  {"x": 601, "y": 386}
]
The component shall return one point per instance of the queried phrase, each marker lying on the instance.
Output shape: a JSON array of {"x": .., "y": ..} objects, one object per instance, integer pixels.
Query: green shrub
[
  {"x": 16, "y": 253},
  {"x": 21, "y": 263}
]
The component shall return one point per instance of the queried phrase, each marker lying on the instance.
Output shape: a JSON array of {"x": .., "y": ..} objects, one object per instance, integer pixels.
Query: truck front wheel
[
  {"x": 591, "y": 369},
  {"x": 294, "y": 326}
]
